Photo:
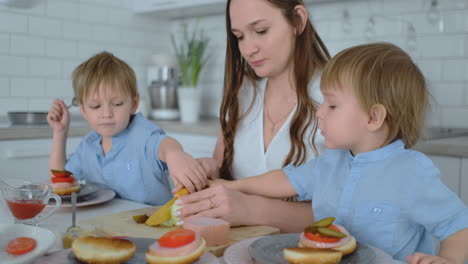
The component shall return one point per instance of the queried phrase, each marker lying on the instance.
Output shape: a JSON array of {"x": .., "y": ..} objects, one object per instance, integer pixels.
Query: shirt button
[
  {"x": 377, "y": 210},
  {"x": 129, "y": 167}
]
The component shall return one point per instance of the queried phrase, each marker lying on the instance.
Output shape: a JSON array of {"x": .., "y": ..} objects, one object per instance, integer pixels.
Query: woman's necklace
[{"x": 291, "y": 102}]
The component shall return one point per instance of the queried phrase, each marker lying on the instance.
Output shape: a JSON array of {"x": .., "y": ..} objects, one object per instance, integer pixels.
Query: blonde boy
[
  {"x": 385, "y": 194},
  {"x": 124, "y": 151}
]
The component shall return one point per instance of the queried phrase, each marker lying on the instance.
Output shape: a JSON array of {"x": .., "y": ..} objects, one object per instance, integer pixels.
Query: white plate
[
  {"x": 45, "y": 240},
  {"x": 101, "y": 196}
]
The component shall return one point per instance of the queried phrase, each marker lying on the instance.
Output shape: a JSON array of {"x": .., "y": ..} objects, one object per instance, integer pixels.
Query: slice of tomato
[
  {"x": 177, "y": 238},
  {"x": 320, "y": 238},
  {"x": 21, "y": 245},
  {"x": 70, "y": 179},
  {"x": 61, "y": 173}
]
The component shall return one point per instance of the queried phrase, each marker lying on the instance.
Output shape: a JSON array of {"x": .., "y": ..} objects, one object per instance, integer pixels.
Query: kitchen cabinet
[
  {"x": 185, "y": 8},
  {"x": 454, "y": 173},
  {"x": 29, "y": 159}
]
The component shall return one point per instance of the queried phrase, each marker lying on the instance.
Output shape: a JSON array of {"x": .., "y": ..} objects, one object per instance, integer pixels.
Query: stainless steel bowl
[{"x": 27, "y": 118}]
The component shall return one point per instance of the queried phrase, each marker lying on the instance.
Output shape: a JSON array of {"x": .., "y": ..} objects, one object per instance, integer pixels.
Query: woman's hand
[
  {"x": 186, "y": 172},
  {"x": 58, "y": 116},
  {"x": 217, "y": 202},
  {"x": 421, "y": 258}
]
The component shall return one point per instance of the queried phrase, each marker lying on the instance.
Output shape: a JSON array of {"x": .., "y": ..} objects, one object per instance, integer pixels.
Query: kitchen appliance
[
  {"x": 27, "y": 118},
  {"x": 163, "y": 92}
]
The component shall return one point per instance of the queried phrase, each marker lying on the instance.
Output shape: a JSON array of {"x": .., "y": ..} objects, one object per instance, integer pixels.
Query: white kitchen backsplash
[
  {"x": 40, "y": 46},
  {"x": 441, "y": 48}
]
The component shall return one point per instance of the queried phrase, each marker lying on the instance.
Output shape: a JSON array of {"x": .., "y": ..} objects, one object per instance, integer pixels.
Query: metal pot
[{"x": 27, "y": 118}]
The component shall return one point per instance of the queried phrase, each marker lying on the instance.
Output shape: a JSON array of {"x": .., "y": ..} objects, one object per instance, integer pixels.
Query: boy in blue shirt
[
  {"x": 124, "y": 151},
  {"x": 383, "y": 193}
]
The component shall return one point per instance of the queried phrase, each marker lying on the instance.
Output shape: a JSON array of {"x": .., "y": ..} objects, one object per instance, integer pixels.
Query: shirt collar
[
  {"x": 378, "y": 154},
  {"x": 117, "y": 140}
]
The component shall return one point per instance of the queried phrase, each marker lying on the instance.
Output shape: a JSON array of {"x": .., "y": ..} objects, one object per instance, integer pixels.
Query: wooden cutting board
[{"x": 122, "y": 224}]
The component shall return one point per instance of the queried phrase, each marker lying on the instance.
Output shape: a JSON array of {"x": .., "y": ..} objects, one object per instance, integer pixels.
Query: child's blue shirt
[
  {"x": 391, "y": 198},
  {"x": 131, "y": 168}
]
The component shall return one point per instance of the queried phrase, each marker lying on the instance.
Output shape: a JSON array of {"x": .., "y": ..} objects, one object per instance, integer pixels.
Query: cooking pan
[{"x": 27, "y": 118}]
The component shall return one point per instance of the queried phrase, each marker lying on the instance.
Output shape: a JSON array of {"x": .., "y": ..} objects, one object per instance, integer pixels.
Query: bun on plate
[
  {"x": 180, "y": 246},
  {"x": 312, "y": 255},
  {"x": 320, "y": 242},
  {"x": 100, "y": 250},
  {"x": 63, "y": 182}
]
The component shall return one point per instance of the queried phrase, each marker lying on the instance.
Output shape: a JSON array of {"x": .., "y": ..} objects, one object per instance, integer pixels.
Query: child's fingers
[
  {"x": 185, "y": 181},
  {"x": 177, "y": 188}
]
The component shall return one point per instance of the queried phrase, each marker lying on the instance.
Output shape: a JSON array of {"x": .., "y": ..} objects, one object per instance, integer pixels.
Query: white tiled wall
[
  {"x": 441, "y": 54},
  {"x": 41, "y": 46}
]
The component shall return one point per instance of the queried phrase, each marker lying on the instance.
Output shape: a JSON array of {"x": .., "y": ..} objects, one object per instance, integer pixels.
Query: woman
[{"x": 273, "y": 53}]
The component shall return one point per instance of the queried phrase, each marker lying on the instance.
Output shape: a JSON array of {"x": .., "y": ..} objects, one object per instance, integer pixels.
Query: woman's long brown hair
[{"x": 310, "y": 56}]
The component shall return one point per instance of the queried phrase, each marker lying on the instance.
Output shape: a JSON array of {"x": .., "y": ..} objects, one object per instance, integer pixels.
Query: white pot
[{"x": 189, "y": 99}]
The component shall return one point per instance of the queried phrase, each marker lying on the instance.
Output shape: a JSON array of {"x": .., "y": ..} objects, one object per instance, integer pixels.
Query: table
[{"x": 61, "y": 220}]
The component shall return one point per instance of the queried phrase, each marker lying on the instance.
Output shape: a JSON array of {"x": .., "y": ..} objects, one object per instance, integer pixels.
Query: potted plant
[{"x": 190, "y": 55}]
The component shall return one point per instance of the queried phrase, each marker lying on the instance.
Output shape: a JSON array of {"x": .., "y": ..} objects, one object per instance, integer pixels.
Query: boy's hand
[
  {"x": 58, "y": 116},
  {"x": 186, "y": 171},
  {"x": 210, "y": 166},
  {"x": 421, "y": 258}
]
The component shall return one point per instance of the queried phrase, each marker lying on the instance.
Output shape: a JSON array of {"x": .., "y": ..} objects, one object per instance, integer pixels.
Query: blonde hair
[
  {"x": 103, "y": 68},
  {"x": 382, "y": 73}
]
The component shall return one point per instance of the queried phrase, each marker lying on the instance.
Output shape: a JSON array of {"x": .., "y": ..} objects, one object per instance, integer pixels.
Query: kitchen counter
[
  {"x": 452, "y": 146},
  {"x": 79, "y": 128}
]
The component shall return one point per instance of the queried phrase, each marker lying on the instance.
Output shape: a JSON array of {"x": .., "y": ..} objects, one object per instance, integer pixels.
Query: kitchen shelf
[{"x": 172, "y": 9}]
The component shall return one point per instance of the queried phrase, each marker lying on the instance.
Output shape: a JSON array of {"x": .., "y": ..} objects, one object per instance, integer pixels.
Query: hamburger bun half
[
  {"x": 312, "y": 255},
  {"x": 66, "y": 191},
  {"x": 103, "y": 250},
  {"x": 185, "y": 259}
]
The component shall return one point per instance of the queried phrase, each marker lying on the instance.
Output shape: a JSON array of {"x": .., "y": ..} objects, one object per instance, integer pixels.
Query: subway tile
[
  {"x": 45, "y": 26},
  {"x": 44, "y": 67},
  {"x": 76, "y": 30},
  {"x": 25, "y": 45},
  {"x": 454, "y": 117},
  {"x": 454, "y": 21},
  {"x": 67, "y": 10},
  {"x": 105, "y": 3},
  {"x": 448, "y": 94},
  {"x": 4, "y": 87},
  {"x": 107, "y": 33},
  {"x": 39, "y": 103},
  {"x": 4, "y": 43},
  {"x": 13, "y": 23},
  {"x": 9, "y": 104},
  {"x": 13, "y": 65},
  {"x": 28, "y": 7},
  {"x": 88, "y": 49},
  {"x": 134, "y": 37},
  {"x": 441, "y": 46},
  {"x": 454, "y": 70},
  {"x": 59, "y": 88},
  {"x": 61, "y": 48},
  {"x": 27, "y": 87},
  {"x": 68, "y": 66},
  {"x": 432, "y": 69},
  {"x": 90, "y": 13}
]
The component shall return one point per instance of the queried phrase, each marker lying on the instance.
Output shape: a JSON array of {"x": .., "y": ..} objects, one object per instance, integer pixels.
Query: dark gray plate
[
  {"x": 269, "y": 250},
  {"x": 141, "y": 244},
  {"x": 85, "y": 189}
]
